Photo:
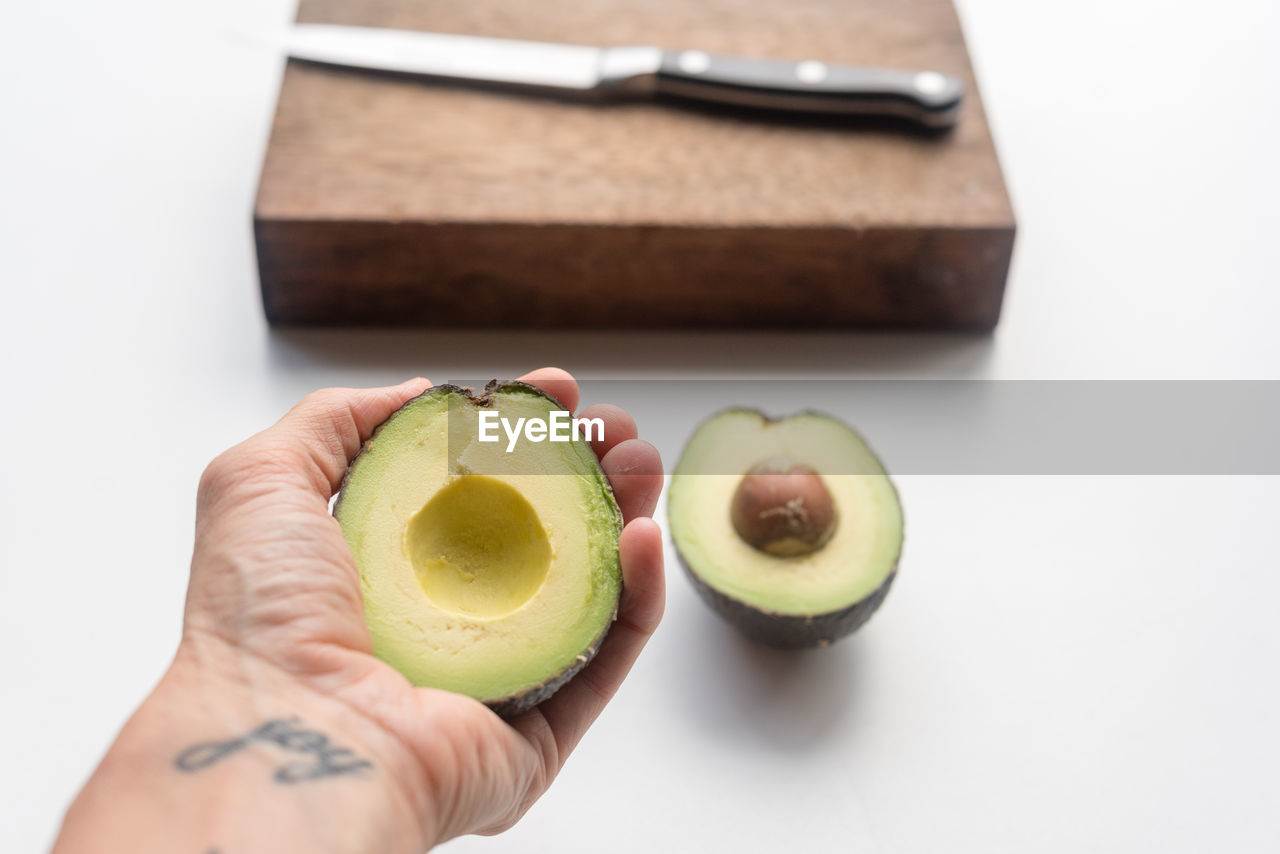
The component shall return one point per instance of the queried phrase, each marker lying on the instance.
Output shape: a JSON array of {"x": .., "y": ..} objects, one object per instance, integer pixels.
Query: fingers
[
  {"x": 556, "y": 382},
  {"x": 618, "y": 426},
  {"x": 573, "y": 708},
  {"x": 634, "y": 468}
]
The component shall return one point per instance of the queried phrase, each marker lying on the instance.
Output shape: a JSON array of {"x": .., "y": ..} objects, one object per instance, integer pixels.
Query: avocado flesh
[
  {"x": 858, "y": 560},
  {"x": 486, "y": 573}
]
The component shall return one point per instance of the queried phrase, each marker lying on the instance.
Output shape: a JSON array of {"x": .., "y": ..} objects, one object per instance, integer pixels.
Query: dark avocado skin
[
  {"x": 790, "y": 631},
  {"x": 515, "y": 704}
]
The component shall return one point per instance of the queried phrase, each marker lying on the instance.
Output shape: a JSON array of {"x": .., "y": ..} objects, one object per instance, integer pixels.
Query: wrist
[{"x": 230, "y": 750}]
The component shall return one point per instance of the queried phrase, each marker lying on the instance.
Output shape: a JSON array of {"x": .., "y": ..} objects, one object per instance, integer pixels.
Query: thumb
[
  {"x": 316, "y": 439},
  {"x": 329, "y": 426}
]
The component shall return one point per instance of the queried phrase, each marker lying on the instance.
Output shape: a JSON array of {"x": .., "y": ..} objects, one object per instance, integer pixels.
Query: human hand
[{"x": 275, "y": 635}]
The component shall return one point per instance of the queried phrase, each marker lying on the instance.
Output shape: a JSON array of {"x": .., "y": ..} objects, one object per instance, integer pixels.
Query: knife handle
[{"x": 928, "y": 97}]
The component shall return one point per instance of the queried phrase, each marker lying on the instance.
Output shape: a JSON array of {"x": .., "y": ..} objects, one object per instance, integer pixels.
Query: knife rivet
[
  {"x": 693, "y": 62},
  {"x": 930, "y": 83},
  {"x": 811, "y": 71}
]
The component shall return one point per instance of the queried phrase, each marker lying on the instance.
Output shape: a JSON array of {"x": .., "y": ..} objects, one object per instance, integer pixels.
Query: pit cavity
[{"x": 478, "y": 548}]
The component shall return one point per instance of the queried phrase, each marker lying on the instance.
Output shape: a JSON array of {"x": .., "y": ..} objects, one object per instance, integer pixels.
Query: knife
[{"x": 930, "y": 98}]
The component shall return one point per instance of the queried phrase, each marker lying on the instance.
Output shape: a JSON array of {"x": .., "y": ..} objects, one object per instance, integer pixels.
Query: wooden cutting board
[{"x": 388, "y": 200}]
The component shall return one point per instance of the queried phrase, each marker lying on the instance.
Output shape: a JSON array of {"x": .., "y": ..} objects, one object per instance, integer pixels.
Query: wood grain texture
[{"x": 390, "y": 200}]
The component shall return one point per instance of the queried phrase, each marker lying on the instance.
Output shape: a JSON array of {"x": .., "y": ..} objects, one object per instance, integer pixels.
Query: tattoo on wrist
[{"x": 324, "y": 758}]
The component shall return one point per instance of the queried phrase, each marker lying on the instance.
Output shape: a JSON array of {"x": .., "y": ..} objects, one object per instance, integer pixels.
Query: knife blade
[{"x": 928, "y": 97}]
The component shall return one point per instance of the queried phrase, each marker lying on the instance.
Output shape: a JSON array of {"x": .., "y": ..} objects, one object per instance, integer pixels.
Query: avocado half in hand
[
  {"x": 486, "y": 572},
  {"x": 789, "y": 529}
]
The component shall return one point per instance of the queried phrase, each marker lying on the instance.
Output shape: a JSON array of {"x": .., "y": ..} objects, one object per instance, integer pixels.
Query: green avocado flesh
[
  {"x": 862, "y": 552},
  {"x": 485, "y": 572}
]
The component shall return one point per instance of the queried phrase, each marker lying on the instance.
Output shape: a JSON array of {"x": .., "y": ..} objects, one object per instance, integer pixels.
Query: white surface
[{"x": 1066, "y": 664}]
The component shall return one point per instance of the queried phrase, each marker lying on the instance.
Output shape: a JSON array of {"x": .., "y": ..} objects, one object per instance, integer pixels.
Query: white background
[{"x": 1065, "y": 664}]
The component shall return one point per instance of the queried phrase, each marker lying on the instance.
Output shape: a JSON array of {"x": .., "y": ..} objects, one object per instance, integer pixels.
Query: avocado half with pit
[
  {"x": 789, "y": 529},
  {"x": 486, "y": 572}
]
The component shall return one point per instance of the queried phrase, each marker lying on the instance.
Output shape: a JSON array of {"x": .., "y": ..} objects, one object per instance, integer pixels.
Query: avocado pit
[{"x": 783, "y": 508}]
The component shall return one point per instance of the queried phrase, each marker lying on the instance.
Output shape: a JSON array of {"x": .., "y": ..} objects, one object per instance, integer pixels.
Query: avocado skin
[
  {"x": 515, "y": 704},
  {"x": 790, "y": 631}
]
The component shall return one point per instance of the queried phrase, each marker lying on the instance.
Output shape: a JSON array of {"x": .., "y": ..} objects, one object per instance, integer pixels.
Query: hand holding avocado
[
  {"x": 276, "y": 728},
  {"x": 418, "y": 664}
]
